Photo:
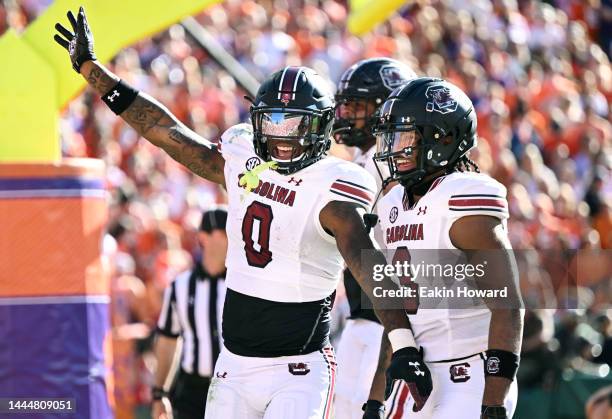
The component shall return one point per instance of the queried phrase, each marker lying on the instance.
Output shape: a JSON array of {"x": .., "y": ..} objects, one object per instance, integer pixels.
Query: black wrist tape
[
  {"x": 493, "y": 412},
  {"x": 120, "y": 97},
  {"x": 500, "y": 363}
]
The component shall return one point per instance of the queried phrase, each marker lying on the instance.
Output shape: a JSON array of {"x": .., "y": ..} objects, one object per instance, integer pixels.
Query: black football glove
[
  {"x": 407, "y": 364},
  {"x": 373, "y": 409},
  {"x": 78, "y": 44},
  {"x": 493, "y": 412}
]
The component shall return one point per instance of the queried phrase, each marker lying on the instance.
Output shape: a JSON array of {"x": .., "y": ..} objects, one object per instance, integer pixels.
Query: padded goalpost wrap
[{"x": 54, "y": 285}]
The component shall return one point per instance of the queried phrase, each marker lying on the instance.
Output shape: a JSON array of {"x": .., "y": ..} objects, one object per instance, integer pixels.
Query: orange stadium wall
[{"x": 54, "y": 289}]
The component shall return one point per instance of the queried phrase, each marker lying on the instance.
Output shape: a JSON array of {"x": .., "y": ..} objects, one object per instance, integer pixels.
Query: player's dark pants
[{"x": 189, "y": 396}]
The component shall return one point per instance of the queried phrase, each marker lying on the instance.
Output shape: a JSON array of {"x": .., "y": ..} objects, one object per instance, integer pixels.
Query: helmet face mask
[
  {"x": 285, "y": 151},
  {"x": 288, "y": 134},
  {"x": 292, "y": 116},
  {"x": 361, "y": 90},
  {"x": 420, "y": 134},
  {"x": 400, "y": 153},
  {"x": 401, "y": 148},
  {"x": 354, "y": 120}
]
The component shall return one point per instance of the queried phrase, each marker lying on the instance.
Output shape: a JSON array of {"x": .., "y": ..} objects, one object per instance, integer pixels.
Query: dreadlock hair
[{"x": 465, "y": 164}]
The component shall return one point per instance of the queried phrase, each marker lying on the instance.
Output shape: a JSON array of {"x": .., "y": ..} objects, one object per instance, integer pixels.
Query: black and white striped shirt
[{"x": 192, "y": 308}]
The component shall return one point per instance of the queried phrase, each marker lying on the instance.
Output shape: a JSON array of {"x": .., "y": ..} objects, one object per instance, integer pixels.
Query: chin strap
[{"x": 420, "y": 189}]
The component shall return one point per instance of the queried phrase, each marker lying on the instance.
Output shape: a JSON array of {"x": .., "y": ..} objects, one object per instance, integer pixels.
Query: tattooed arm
[{"x": 153, "y": 121}]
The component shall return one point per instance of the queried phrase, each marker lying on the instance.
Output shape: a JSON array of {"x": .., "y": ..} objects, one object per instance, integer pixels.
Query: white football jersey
[
  {"x": 365, "y": 160},
  {"x": 277, "y": 248},
  {"x": 445, "y": 333}
]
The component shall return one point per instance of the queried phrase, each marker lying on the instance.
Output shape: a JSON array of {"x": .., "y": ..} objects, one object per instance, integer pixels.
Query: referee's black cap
[{"x": 214, "y": 219}]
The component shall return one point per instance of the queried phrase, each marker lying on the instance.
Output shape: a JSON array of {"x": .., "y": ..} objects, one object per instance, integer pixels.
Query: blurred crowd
[{"x": 538, "y": 73}]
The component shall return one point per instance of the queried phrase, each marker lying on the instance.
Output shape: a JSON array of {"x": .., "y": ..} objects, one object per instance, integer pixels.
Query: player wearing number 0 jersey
[
  {"x": 278, "y": 249},
  {"x": 444, "y": 207},
  {"x": 283, "y": 269}
]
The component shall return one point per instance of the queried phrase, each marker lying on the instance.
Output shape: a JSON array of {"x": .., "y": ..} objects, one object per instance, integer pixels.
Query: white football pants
[
  {"x": 357, "y": 360},
  {"x": 458, "y": 387},
  {"x": 296, "y": 387}
]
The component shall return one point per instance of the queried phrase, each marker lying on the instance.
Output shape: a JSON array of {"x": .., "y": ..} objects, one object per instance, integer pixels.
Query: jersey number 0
[{"x": 263, "y": 214}]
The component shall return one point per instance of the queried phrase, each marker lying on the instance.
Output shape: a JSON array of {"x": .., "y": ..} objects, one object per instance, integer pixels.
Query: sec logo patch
[{"x": 252, "y": 163}]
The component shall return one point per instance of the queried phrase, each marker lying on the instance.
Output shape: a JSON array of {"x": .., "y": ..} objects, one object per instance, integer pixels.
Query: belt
[{"x": 457, "y": 359}]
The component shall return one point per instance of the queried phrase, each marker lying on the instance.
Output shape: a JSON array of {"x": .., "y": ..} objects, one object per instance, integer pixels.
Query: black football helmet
[
  {"x": 428, "y": 115},
  {"x": 369, "y": 82},
  {"x": 293, "y": 104}
]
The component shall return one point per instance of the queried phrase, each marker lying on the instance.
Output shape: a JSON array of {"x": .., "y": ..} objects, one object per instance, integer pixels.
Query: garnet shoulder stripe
[
  {"x": 361, "y": 201},
  {"x": 354, "y": 184},
  {"x": 475, "y": 195},
  {"x": 469, "y": 202},
  {"x": 340, "y": 187},
  {"x": 479, "y": 209}
]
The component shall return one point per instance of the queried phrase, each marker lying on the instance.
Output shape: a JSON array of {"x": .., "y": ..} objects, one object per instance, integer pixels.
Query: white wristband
[{"x": 401, "y": 338}]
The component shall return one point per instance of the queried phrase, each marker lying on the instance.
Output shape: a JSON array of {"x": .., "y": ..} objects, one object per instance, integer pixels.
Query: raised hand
[{"x": 78, "y": 43}]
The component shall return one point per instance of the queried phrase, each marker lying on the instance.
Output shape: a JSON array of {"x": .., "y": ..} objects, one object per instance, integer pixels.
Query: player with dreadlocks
[{"x": 442, "y": 210}]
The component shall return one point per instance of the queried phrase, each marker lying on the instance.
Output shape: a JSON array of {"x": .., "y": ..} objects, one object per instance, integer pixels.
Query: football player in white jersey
[
  {"x": 293, "y": 216},
  {"x": 362, "y": 88},
  {"x": 443, "y": 204}
]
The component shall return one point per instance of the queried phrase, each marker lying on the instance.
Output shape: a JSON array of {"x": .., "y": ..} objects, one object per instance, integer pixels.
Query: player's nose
[{"x": 344, "y": 111}]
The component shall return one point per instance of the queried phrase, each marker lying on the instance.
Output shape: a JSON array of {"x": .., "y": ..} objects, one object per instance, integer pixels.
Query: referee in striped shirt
[{"x": 192, "y": 308}]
